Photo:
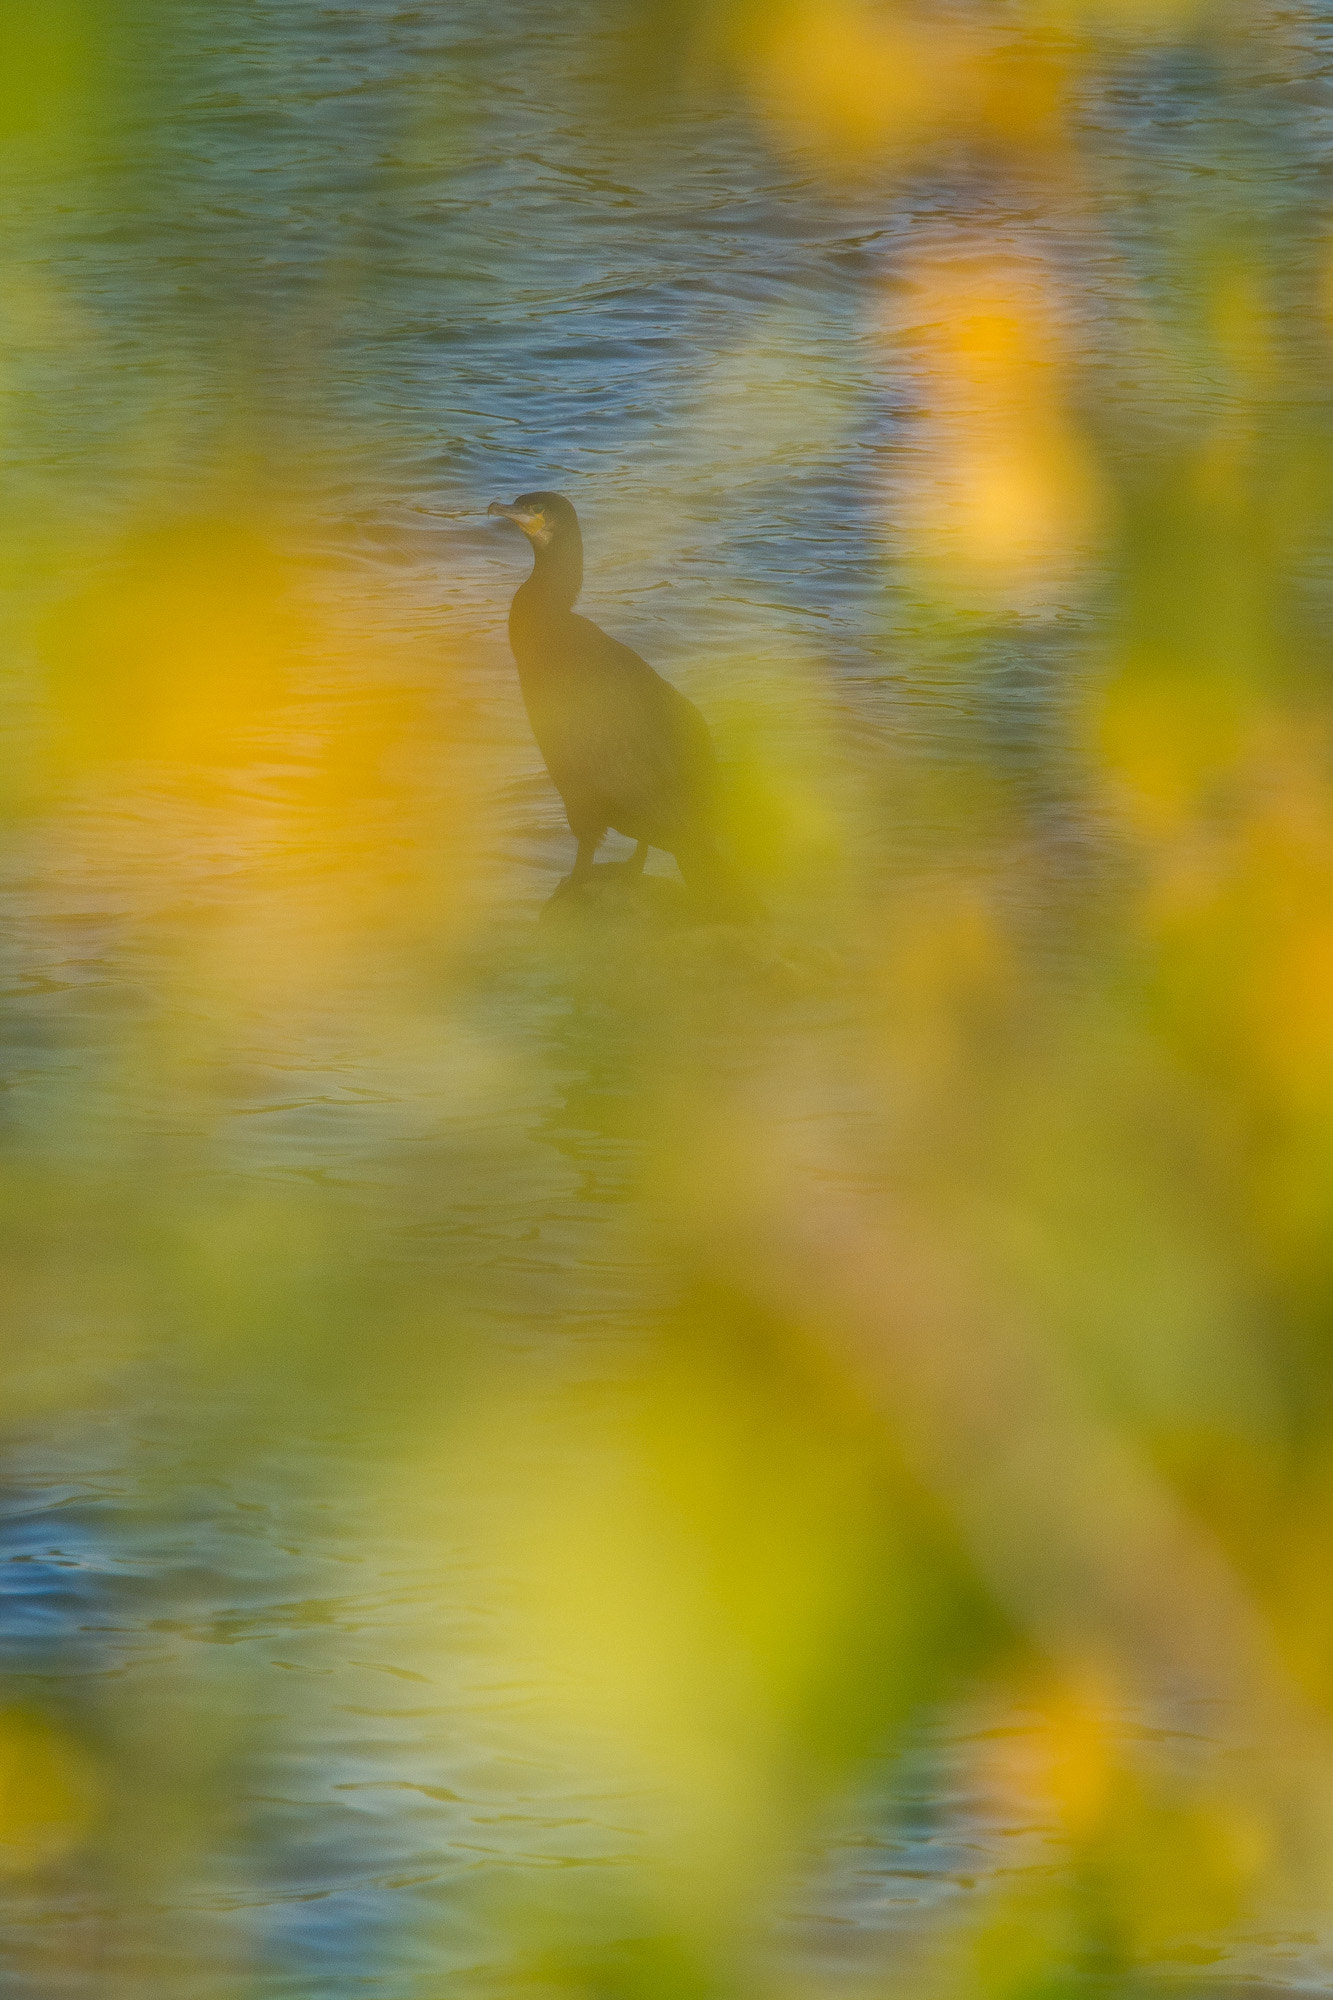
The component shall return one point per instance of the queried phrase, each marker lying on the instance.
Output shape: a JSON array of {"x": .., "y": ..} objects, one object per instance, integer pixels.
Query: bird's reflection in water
[
  {"x": 617, "y": 892},
  {"x": 638, "y": 988}
]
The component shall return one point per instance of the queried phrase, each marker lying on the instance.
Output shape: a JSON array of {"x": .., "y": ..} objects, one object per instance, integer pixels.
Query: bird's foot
[{"x": 581, "y": 878}]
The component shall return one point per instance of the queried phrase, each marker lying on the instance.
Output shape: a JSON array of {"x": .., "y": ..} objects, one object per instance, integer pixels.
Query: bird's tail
[{"x": 720, "y": 888}]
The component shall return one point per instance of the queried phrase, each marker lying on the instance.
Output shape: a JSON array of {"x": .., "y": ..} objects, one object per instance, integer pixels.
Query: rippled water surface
[{"x": 466, "y": 273}]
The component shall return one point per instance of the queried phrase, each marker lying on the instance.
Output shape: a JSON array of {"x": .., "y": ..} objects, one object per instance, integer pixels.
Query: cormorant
[{"x": 626, "y": 749}]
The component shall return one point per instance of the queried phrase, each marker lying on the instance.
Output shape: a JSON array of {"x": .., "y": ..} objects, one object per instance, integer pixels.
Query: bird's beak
[{"x": 503, "y": 513}]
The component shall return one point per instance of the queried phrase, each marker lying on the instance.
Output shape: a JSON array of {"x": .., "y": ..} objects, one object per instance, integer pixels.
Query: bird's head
[{"x": 544, "y": 517}]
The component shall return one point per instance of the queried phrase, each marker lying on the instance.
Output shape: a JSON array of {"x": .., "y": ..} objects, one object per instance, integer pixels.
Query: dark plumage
[{"x": 625, "y": 748}]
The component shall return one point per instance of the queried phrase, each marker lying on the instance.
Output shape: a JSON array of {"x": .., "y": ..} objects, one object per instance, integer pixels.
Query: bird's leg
[
  {"x": 632, "y": 866},
  {"x": 583, "y": 860},
  {"x": 582, "y": 868}
]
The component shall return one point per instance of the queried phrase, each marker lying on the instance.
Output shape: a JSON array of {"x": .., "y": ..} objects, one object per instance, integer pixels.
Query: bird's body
[{"x": 626, "y": 749}]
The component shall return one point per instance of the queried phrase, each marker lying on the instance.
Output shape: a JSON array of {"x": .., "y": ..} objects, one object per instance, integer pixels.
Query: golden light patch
[
  {"x": 999, "y": 497},
  {"x": 179, "y": 646},
  {"x": 297, "y": 768},
  {"x": 858, "y": 77},
  {"x": 855, "y": 79},
  {"x": 47, "y": 1792},
  {"x": 1061, "y": 1765},
  {"x": 1286, "y": 993}
]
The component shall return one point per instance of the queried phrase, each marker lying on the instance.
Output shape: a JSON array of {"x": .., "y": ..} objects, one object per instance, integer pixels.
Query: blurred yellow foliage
[
  {"x": 1058, "y": 1761},
  {"x": 1003, "y": 494},
  {"x": 1170, "y": 740},
  {"x": 858, "y": 80},
  {"x": 178, "y": 648},
  {"x": 687, "y": 1556},
  {"x": 910, "y": 1309}
]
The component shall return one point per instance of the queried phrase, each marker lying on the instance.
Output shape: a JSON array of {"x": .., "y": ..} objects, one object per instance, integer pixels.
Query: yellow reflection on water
[
  {"x": 1005, "y": 495},
  {"x": 48, "y": 1792}
]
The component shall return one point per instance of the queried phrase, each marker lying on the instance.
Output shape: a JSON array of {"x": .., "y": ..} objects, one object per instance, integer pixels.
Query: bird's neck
[{"x": 557, "y": 575}]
